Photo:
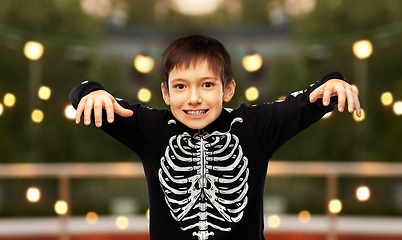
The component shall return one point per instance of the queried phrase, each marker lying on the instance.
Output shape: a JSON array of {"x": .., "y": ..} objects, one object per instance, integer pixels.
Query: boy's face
[{"x": 195, "y": 95}]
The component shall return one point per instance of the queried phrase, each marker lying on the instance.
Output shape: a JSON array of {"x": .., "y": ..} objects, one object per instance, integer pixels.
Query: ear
[
  {"x": 165, "y": 94},
  {"x": 229, "y": 91}
]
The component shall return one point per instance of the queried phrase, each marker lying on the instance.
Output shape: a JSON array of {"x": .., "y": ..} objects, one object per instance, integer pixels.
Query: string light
[
  {"x": 91, "y": 218},
  {"x": 61, "y": 207},
  {"x": 362, "y": 193},
  {"x": 33, "y": 194},
  {"x": 69, "y": 112},
  {"x": 362, "y": 49},
  {"x": 252, "y": 62},
  {"x": 274, "y": 221},
  {"x": 1, "y": 109},
  {"x": 144, "y": 64},
  {"x": 304, "y": 216},
  {"x": 252, "y": 94},
  {"x": 335, "y": 206},
  {"x": 398, "y": 108},
  {"x": 387, "y": 98},
  {"x": 9, "y": 100},
  {"x": 37, "y": 116},
  {"x": 122, "y": 222},
  {"x": 44, "y": 93},
  {"x": 361, "y": 118},
  {"x": 144, "y": 95},
  {"x": 33, "y": 50}
]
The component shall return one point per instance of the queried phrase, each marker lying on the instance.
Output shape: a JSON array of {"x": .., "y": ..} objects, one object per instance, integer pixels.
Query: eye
[
  {"x": 208, "y": 84},
  {"x": 179, "y": 86}
]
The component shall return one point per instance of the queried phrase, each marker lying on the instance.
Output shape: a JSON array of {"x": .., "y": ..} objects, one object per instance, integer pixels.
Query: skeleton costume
[{"x": 209, "y": 183}]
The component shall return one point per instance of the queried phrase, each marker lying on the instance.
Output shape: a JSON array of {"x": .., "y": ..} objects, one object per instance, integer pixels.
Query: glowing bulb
[
  {"x": 144, "y": 64},
  {"x": 61, "y": 207},
  {"x": 9, "y": 100},
  {"x": 44, "y": 93},
  {"x": 252, "y": 93},
  {"x": 1, "y": 109},
  {"x": 361, "y": 118},
  {"x": 144, "y": 95},
  {"x": 304, "y": 216},
  {"x": 335, "y": 206},
  {"x": 33, "y": 194},
  {"x": 33, "y": 50},
  {"x": 363, "y": 193},
  {"x": 252, "y": 62},
  {"x": 122, "y": 222},
  {"x": 69, "y": 112},
  {"x": 37, "y": 116},
  {"x": 274, "y": 221},
  {"x": 91, "y": 218},
  {"x": 398, "y": 108},
  {"x": 362, "y": 49},
  {"x": 387, "y": 98}
]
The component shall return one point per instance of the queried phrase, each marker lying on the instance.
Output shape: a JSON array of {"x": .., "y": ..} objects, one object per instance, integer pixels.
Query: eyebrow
[{"x": 203, "y": 78}]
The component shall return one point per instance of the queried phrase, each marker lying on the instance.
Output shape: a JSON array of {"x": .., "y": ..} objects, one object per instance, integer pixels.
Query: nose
[{"x": 194, "y": 97}]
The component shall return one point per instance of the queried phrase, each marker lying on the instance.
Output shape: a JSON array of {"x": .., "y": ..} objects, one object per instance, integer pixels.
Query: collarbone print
[{"x": 204, "y": 179}]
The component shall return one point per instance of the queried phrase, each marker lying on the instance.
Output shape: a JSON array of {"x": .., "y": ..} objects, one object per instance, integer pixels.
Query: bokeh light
[
  {"x": 1, "y": 109},
  {"x": 274, "y": 221},
  {"x": 144, "y": 95},
  {"x": 252, "y": 62},
  {"x": 387, "y": 98},
  {"x": 33, "y": 194},
  {"x": 33, "y": 50},
  {"x": 335, "y": 206},
  {"x": 44, "y": 93},
  {"x": 9, "y": 100},
  {"x": 362, "y": 193},
  {"x": 61, "y": 207},
  {"x": 69, "y": 112},
  {"x": 362, "y": 49},
  {"x": 361, "y": 118},
  {"x": 144, "y": 64},
  {"x": 398, "y": 108},
  {"x": 304, "y": 216},
  {"x": 37, "y": 116},
  {"x": 122, "y": 222},
  {"x": 91, "y": 218},
  {"x": 252, "y": 94},
  {"x": 196, "y": 7},
  {"x": 327, "y": 115}
]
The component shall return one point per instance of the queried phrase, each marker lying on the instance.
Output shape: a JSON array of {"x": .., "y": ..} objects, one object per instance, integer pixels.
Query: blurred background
[{"x": 277, "y": 47}]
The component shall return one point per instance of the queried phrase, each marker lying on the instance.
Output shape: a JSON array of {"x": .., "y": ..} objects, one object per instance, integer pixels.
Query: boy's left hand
[{"x": 340, "y": 88}]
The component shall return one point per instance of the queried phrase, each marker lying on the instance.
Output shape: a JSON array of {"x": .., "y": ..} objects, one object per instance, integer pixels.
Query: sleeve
[
  {"x": 279, "y": 121},
  {"x": 131, "y": 131}
]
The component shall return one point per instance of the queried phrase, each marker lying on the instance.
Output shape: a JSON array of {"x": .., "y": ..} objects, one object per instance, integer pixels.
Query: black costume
[{"x": 209, "y": 183}]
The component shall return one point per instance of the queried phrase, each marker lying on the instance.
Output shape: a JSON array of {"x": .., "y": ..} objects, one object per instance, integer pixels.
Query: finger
[
  {"x": 109, "y": 111},
  {"x": 341, "y": 98},
  {"x": 315, "y": 94},
  {"x": 98, "y": 112},
  {"x": 80, "y": 109},
  {"x": 357, "y": 104},
  {"x": 87, "y": 111},
  {"x": 327, "y": 94},
  {"x": 122, "y": 111},
  {"x": 351, "y": 99}
]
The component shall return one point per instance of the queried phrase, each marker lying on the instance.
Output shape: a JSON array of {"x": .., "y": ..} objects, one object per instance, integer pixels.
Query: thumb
[{"x": 124, "y": 112}]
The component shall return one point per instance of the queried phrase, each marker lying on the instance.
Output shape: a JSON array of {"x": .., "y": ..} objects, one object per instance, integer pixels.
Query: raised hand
[
  {"x": 97, "y": 100},
  {"x": 340, "y": 88}
]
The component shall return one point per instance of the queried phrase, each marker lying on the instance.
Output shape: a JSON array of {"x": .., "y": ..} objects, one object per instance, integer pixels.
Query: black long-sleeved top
[{"x": 209, "y": 183}]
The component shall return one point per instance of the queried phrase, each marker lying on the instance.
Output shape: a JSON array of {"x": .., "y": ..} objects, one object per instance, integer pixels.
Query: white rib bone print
[{"x": 204, "y": 179}]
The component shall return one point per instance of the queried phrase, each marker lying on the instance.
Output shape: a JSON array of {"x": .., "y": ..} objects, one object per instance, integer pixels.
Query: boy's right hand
[{"x": 97, "y": 100}]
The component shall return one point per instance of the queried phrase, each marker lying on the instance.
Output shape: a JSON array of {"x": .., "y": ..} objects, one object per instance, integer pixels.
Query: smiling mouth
[{"x": 195, "y": 112}]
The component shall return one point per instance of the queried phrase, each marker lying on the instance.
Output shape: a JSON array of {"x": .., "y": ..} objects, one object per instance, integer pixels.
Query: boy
[{"x": 206, "y": 165}]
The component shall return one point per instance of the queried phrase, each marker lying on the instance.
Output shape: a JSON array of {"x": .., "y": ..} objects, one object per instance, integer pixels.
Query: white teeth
[{"x": 196, "y": 112}]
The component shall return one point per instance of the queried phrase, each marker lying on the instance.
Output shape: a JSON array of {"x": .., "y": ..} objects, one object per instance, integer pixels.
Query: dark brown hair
[{"x": 188, "y": 51}]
